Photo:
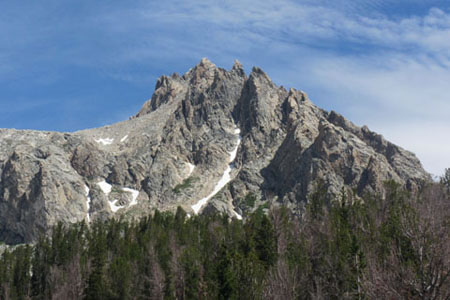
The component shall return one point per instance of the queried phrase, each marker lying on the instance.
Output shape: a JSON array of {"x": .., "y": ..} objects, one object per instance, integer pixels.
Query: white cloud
[{"x": 285, "y": 19}]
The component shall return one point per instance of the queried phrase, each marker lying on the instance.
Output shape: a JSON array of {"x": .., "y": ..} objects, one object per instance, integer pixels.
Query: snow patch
[
  {"x": 224, "y": 179},
  {"x": 105, "y": 142},
  {"x": 135, "y": 194},
  {"x": 191, "y": 169},
  {"x": 114, "y": 207},
  {"x": 88, "y": 203},
  {"x": 238, "y": 216},
  {"x": 106, "y": 187},
  {"x": 124, "y": 138}
]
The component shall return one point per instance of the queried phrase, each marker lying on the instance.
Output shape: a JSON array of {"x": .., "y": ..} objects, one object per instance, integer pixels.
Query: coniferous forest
[{"x": 391, "y": 247}]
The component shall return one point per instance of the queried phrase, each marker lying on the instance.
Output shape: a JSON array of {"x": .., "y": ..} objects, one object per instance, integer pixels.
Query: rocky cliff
[{"x": 211, "y": 139}]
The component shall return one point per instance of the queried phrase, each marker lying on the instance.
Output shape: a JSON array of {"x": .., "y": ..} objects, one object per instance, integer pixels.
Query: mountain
[{"x": 210, "y": 140}]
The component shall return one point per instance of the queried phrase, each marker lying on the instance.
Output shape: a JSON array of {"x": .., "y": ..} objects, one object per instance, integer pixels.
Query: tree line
[{"x": 391, "y": 247}]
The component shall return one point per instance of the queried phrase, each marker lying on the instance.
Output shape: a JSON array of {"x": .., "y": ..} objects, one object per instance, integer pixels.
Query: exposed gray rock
[{"x": 175, "y": 150}]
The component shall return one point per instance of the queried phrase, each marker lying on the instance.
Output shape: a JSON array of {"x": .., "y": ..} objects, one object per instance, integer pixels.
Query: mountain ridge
[{"x": 175, "y": 150}]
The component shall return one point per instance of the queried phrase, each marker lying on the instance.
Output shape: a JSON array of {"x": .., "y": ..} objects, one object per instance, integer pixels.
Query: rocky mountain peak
[
  {"x": 206, "y": 63},
  {"x": 206, "y": 141},
  {"x": 238, "y": 68},
  {"x": 202, "y": 74}
]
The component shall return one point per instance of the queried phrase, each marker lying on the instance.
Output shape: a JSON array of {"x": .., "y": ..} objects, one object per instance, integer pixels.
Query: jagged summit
[{"x": 211, "y": 134}]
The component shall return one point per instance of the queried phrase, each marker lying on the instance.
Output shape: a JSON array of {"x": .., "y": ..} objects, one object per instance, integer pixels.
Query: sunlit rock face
[{"x": 237, "y": 141}]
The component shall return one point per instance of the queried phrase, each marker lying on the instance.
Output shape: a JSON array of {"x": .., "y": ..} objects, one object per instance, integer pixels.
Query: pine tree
[
  {"x": 40, "y": 282},
  {"x": 445, "y": 180},
  {"x": 96, "y": 285},
  {"x": 21, "y": 272}
]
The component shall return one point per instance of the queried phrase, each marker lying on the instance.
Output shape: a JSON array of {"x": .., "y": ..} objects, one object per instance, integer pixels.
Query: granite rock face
[{"x": 176, "y": 151}]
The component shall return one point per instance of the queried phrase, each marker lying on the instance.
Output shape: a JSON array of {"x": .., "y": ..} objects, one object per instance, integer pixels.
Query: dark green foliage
[
  {"x": 266, "y": 205},
  {"x": 250, "y": 200},
  {"x": 378, "y": 247},
  {"x": 317, "y": 200},
  {"x": 261, "y": 238},
  {"x": 187, "y": 183},
  {"x": 21, "y": 275}
]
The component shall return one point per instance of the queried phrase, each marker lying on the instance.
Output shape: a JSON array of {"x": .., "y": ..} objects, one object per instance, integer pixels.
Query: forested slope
[{"x": 392, "y": 248}]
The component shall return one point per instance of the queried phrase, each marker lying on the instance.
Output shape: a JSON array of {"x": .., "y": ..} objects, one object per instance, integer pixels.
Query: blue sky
[{"x": 70, "y": 65}]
